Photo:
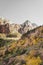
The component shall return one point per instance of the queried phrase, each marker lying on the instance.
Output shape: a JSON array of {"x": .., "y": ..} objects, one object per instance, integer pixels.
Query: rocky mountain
[
  {"x": 21, "y": 28},
  {"x": 27, "y": 25},
  {"x": 8, "y": 30},
  {"x": 38, "y": 31},
  {"x": 13, "y": 30}
]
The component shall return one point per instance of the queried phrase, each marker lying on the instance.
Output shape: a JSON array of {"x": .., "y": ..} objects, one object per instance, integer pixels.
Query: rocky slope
[
  {"x": 8, "y": 30},
  {"x": 6, "y": 27},
  {"x": 26, "y": 51},
  {"x": 26, "y": 26},
  {"x": 14, "y": 31}
]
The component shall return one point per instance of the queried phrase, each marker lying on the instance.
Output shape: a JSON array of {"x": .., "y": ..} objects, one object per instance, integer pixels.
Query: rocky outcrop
[
  {"x": 4, "y": 26},
  {"x": 26, "y": 26}
]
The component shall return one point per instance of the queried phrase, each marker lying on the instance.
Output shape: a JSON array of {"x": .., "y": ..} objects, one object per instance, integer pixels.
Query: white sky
[{"x": 20, "y": 10}]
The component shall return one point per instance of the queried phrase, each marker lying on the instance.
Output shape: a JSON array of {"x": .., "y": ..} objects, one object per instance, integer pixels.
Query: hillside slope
[{"x": 23, "y": 51}]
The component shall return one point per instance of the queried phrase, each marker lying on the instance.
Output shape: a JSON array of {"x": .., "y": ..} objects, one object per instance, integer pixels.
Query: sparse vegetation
[{"x": 26, "y": 51}]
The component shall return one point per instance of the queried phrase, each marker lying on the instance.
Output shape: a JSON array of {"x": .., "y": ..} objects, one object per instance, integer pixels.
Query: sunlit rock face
[
  {"x": 26, "y": 26},
  {"x": 14, "y": 28},
  {"x": 3, "y": 21},
  {"x": 7, "y": 27},
  {"x": 5, "y": 24}
]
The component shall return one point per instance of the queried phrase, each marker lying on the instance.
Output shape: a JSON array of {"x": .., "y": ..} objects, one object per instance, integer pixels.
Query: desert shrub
[{"x": 33, "y": 61}]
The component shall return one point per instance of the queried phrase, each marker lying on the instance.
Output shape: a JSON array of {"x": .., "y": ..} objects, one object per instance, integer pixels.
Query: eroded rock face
[
  {"x": 14, "y": 28},
  {"x": 27, "y": 26},
  {"x": 4, "y": 28}
]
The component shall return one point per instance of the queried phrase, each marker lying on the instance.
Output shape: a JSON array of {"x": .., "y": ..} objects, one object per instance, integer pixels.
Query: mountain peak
[{"x": 27, "y": 21}]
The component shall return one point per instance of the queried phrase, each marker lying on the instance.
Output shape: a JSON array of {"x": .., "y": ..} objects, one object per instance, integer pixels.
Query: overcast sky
[{"x": 20, "y": 10}]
